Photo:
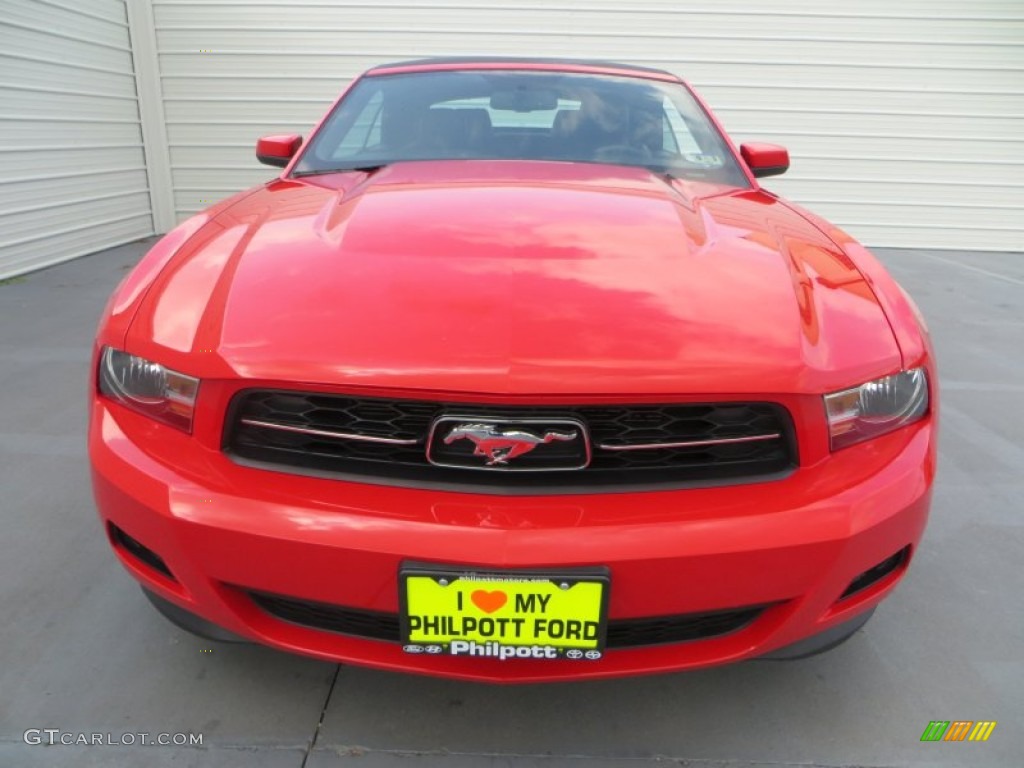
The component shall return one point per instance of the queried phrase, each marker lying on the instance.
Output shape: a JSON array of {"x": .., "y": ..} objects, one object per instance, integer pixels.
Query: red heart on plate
[{"x": 489, "y": 602}]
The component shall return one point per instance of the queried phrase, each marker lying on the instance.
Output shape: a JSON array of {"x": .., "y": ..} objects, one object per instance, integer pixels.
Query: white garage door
[
  {"x": 905, "y": 119},
  {"x": 72, "y": 170}
]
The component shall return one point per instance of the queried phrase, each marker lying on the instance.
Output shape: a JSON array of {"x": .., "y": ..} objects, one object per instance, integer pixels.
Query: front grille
[
  {"x": 623, "y": 633},
  {"x": 385, "y": 440}
]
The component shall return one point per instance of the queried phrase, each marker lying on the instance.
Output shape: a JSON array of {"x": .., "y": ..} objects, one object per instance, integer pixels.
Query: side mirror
[
  {"x": 278, "y": 150},
  {"x": 765, "y": 159}
]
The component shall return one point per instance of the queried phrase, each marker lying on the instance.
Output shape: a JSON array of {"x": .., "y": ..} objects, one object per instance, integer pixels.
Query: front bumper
[{"x": 793, "y": 545}]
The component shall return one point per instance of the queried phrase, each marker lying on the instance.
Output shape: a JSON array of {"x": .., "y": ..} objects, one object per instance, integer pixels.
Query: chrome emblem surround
[{"x": 501, "y": 441}]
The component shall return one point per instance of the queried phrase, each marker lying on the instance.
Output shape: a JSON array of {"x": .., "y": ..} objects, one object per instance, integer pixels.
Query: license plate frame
[{"x": 578, "y": 595}]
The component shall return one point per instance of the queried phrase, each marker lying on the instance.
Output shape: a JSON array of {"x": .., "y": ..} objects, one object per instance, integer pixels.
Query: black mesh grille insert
[
  {"x": 333, "y": 618},
  {"x": 627, "y": 633},
  {"x": 385, "y": 421},
  {"x": 677, "y": 629}
]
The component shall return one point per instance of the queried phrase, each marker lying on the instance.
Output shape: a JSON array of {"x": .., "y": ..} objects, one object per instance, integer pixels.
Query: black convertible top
[{"x": 443, "y": 60}]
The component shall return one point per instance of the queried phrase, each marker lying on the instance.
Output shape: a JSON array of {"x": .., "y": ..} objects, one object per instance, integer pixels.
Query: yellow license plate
[{"x": 524, "y": 614}]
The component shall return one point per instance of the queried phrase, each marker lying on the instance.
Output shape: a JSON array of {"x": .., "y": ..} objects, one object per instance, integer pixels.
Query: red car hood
[{"x": 514, "y": 277}]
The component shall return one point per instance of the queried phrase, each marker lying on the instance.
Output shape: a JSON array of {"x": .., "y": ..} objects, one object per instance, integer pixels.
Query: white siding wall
[
  {"x": 905, "y": 119},
  {"x": 72, "y": 171}
]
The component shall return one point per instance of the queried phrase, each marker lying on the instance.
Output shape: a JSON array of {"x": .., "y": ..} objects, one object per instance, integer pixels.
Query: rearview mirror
[
  {"x": 765, "y": 159},
  {"x": 524, "y": 100},
  {"x": 278, "y": 150}
]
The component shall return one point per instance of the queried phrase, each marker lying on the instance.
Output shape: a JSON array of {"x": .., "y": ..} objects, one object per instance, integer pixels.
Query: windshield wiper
[
  {"x": 666, "y": 172},
  {"x": 368, "y": 168}
]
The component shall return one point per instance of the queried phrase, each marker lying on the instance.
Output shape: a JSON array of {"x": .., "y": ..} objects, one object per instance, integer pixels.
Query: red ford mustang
[{"x": 515, "y": 373}]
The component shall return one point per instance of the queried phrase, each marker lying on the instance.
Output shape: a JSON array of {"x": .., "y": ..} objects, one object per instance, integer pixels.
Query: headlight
[
  {"x": 148, "y": 388},
  {"x": 877, "y": 407}
]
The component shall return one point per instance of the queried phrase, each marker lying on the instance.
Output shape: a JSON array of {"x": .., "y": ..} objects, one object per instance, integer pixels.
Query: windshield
[{"x": 512, "y": 115}]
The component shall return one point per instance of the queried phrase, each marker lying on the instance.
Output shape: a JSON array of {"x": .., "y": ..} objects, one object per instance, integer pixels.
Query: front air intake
[
  {"x": 877, "y": 573},
  {"x": 139, "y": 551},
  {"x": 622, "y": 633}
]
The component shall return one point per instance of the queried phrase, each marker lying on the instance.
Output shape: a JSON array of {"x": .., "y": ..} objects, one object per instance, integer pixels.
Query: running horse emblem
[{"x": 501, "y": 446}]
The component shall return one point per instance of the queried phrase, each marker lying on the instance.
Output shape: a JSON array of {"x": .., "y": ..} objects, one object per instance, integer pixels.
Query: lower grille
[
  {"x": 386, "y": 441},
  {"x": 623, "y": 633},
  {"x": 631, "y": 633},
  {"x": 333, "y": 618}
]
